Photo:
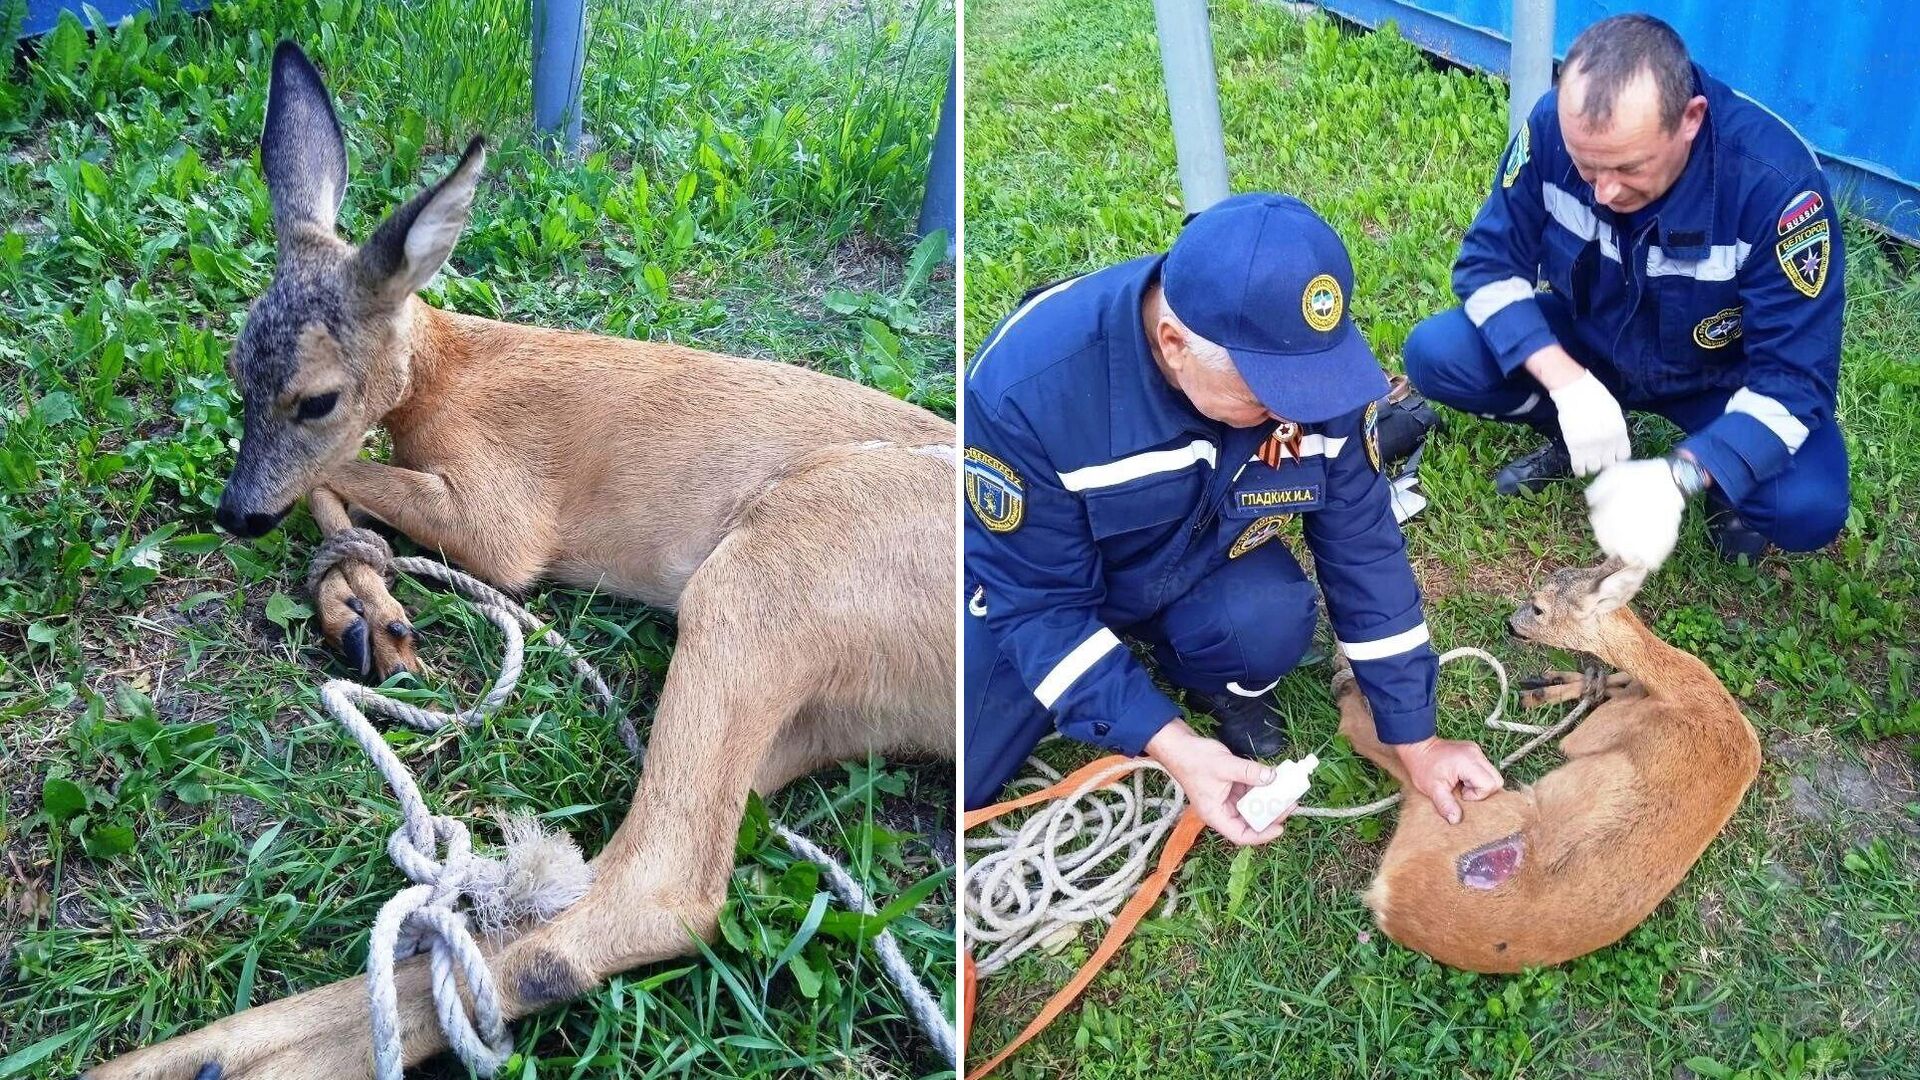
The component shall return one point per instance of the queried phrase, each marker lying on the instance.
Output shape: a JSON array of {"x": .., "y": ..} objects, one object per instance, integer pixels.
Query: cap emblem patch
[{"x": 1322, "y": 303}]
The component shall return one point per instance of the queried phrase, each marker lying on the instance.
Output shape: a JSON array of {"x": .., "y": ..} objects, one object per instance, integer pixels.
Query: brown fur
[
  {"x": 1652, "y": 775},
  {"x": 802, "y": 527}
]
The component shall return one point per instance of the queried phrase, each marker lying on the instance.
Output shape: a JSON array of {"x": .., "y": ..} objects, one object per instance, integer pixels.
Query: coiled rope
[
  {"x": 541, "y": 874},
  {"x": 1080, "y": 858}
]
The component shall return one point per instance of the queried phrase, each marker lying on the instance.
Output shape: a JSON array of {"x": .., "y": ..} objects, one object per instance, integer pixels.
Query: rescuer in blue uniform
[
  {"x": 1690, "y": 256},
  {"x": 1140, "y": 444}
]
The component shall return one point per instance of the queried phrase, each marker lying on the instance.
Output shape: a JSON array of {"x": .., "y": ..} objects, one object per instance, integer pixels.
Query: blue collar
[
  {"x": 1685, "y": 220},
  {"x": 1144, "y": 411}
]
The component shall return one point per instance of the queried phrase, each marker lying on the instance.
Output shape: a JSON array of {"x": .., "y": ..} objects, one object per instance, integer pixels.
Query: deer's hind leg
[
  {"x": 1356, "y": 723},
  {"x": 798, "y": 647},
  {"x": 743, "y": 669}
]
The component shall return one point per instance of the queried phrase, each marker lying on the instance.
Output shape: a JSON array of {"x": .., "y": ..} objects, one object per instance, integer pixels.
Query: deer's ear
[
  {"x": 302, "y": 151},
  {"x": 405, "y": 251},
  {"x": 1616, "y": 584}
]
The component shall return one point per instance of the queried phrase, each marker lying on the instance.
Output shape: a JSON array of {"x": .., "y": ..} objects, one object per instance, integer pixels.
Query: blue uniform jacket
[
  {"x": 1733, "y": 285},
  {"x": 1099, "y": 495}
]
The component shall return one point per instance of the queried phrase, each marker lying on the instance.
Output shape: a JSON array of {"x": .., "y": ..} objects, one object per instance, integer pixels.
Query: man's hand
[
  {"x": 1214, "y": 779},
  {"x": 1591, "y": 423},
  {"x": 1635, "y": 508},
  {"x": 1435, "y": 767}
]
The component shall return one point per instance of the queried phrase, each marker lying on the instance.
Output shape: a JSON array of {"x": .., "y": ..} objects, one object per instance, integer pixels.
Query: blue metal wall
[
  {"x": 1846, "y": 75},
  {"x": 44, "y": 15}
]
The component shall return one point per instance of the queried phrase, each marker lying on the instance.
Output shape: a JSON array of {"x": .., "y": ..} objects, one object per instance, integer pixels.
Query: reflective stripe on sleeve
[{"x": 1068, "y": 671}]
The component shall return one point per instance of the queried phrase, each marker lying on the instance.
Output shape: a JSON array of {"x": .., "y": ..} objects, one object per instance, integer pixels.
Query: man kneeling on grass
[
  {"x": 1692, "y": 258},
  {"x": 1137, "y": 440}
]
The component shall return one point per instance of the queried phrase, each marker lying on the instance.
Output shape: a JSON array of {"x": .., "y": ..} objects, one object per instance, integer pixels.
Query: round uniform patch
[
  {"x": 1717, "y": 329},
  {"x": 1371, "y": 432},
  {"x": 994, "y": 491},
  {"x": 1321, "y": 303},
  {"x": 1256, "y": 534}
]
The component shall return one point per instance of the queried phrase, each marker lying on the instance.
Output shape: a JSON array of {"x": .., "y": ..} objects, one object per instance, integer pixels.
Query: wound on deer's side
[{"x": 1489, "y": 866}]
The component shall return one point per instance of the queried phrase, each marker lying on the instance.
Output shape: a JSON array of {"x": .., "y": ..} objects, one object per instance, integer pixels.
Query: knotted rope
[
  {"x": 1081, "y": 857},
  {"x": 541, "y": 875}
]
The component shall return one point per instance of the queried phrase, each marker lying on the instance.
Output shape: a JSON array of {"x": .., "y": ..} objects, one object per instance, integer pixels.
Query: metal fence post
[
  {"x": 1193, "y": 99},
  {"x": 936, "y": 206},
  {"x": 1530, "y": 69},
  {"x": 559, "y": 56}
]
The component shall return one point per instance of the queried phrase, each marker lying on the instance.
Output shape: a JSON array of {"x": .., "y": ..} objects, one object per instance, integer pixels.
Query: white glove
[
  {"x": 1635, "y": 508},
  {"x": 1591, "y": 423}
]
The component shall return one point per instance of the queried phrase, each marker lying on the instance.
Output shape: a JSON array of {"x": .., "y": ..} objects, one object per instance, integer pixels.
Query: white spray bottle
[{"x": 1263, "y": 804}]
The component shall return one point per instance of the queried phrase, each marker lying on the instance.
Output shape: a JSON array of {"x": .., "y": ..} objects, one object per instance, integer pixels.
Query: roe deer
[
  {"x": 1549, "y": 872},
  {"x": 802, "y": 526}
]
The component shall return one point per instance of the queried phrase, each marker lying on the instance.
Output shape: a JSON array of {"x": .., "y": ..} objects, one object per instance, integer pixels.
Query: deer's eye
[{"x": 317, "y": 406}]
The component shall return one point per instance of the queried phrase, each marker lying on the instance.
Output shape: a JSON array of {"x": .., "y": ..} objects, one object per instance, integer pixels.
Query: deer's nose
[{"x": 248, "y": 524}]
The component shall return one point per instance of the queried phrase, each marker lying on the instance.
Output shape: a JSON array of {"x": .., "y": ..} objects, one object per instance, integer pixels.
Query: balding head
[
  {"x": 1634, "y": 56},
  {"x": 1627, "y": 109}
]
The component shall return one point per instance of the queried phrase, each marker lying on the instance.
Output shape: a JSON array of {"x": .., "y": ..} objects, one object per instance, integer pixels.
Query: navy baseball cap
[{"x": 1262, "y": 276}]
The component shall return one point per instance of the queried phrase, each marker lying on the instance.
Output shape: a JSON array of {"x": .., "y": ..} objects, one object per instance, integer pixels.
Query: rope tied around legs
[
  {"x": 1494, "y": 719},
  {"x": 541, "y": 873},
  {"x": 349, "y": 545}
]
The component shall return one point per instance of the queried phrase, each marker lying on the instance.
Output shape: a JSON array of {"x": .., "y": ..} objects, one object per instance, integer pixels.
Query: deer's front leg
[
  {"x": 358, "y": 615},
  {"x": 491, "y": 523}
]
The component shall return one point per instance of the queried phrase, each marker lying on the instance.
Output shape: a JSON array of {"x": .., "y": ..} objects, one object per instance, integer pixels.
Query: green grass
[
  {"x": 1793, "y": 949},
  {"x": 181, "y": 831}
]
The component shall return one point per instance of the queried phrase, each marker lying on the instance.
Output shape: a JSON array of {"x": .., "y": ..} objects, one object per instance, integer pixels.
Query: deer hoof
[{"x": 353, "y": 644}]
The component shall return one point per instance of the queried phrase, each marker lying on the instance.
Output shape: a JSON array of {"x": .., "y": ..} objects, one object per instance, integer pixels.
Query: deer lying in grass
[
  {"x": 1549, "y": 872},
  {"x": 801, "y": 525}
]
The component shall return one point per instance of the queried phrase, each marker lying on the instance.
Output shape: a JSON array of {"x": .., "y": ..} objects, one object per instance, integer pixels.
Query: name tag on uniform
[
  {"x": 1261, "y": 490},
  {"x": 1280, "y": 499}
]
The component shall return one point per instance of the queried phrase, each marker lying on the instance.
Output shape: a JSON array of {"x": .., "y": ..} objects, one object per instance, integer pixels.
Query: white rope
[
  {"x": 1077, "y": 860},
  {"x": 1081, "y": 857},
  {"x": 1493, "y": 720},
  {"x": 541, "y": 875},
  {"x": 926, "y": 1009}
]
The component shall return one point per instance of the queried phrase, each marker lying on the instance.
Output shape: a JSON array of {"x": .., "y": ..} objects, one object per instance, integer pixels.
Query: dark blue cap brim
[{"x": 1312, "y": 388}]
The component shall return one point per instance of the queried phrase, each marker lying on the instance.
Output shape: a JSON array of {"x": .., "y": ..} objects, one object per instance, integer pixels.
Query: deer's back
[
  {"x": 1600, "y": 841},
  {"x": 642, "y": 453}
]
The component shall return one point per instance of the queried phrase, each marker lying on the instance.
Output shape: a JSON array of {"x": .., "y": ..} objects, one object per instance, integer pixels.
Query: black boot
[
  {"x": 1533, "y": 471},
  {"x": 1729, "y": 533},
  {"x": 1247, "y": 725}
]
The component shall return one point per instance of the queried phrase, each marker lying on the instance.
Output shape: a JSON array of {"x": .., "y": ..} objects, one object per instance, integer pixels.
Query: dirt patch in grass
[
  {"x": 1829, "y": 787},
  {"x": 1512, "y": 578}
]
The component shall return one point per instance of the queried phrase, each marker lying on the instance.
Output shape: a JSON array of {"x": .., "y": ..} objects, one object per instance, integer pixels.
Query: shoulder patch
[
  {"x": 1800, "y": 210},
  {"x": 1804, "y": 255},
  {"x": 1370, "y": 433},
  {"x": 994, "y": 491},
  {"x": 1517, "y": 157},
  {"x": 1718, "y": 329}
]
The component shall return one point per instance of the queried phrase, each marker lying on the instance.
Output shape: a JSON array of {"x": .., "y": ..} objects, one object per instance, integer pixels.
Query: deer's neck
[
  {"x": 436, "y": 346},
  {"x": 1627, "y": 645}
]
